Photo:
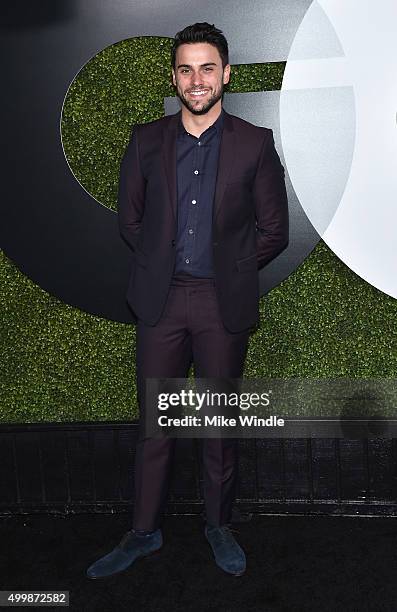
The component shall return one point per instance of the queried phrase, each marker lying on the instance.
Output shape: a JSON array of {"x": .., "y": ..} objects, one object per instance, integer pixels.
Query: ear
[
  {"x": 226, "y": 74},
  {"x": 173, "y": 77}
]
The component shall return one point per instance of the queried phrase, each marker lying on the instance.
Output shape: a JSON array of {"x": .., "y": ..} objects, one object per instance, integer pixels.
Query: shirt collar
[{"x": 218, "y": 125}]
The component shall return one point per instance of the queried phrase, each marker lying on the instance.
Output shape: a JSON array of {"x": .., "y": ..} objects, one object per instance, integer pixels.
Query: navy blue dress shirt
[{"x": 197, "y": 167}]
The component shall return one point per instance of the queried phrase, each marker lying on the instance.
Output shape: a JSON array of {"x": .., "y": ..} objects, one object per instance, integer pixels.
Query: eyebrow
[{"x": 201, "y": 66}]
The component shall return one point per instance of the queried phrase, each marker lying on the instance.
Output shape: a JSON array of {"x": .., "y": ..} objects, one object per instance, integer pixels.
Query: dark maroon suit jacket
[{"x": 250, "y": 216}]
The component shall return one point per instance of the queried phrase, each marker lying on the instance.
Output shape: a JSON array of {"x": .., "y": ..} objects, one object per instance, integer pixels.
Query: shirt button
[
  {"x": 187, "y": 261},
  {"x": 196, "y": 172},
  {"x": 194, "y": 202},
  {"x": 190, "y": 231}
]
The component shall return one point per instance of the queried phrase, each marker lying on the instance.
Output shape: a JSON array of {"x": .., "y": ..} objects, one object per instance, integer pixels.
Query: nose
[{"x": 196, "y": 78}]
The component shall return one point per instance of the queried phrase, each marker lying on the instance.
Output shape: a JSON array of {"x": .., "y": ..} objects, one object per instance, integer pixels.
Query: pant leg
[
  {"x": 217, "y": 353},
  {"x": 162, "y": 351}
]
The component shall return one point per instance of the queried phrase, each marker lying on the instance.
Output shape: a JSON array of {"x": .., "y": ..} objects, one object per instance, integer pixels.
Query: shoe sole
[
  {"x": 140, "y": 558},
  {"x": 236, "y": 574}
]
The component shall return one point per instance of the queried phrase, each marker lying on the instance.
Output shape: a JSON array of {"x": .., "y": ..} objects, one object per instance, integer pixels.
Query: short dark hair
[{"x": 201, "y": 32}]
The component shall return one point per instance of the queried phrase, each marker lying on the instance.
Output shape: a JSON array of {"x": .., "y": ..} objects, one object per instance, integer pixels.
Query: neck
[{"x": 197, "y": 124}]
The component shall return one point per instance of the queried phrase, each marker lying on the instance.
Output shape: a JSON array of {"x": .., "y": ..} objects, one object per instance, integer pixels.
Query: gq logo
[
  {"x": 338, "y": 129},
  {"x": 333, "y": 123}
]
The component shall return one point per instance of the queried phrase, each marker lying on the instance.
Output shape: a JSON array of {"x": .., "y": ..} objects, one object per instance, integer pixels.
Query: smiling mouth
[{"x": 198, "y": 93}]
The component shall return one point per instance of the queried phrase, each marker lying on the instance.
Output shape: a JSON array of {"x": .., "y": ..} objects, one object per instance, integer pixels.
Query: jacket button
[
  {"x": 215, "y": 244},
  {"x": 173, "y": 243}
]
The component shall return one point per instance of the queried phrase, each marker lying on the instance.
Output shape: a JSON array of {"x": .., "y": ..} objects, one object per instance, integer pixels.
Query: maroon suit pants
[{"x": 190, "y": 331}]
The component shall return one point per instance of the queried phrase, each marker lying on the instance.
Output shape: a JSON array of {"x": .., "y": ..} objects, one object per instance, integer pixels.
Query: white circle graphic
[{"x": 338, "y": 129}]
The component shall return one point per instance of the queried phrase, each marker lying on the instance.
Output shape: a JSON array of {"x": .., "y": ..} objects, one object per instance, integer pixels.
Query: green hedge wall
[{"x": 61, "y": 364}]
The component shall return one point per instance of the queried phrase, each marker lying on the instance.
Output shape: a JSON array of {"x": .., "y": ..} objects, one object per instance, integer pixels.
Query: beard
[{"x": 206, "y": 105}]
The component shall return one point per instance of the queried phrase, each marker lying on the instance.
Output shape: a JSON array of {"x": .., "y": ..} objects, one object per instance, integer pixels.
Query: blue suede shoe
[
  {"x": 131, "y": 547},
  {"x": 229, "y": 556}
]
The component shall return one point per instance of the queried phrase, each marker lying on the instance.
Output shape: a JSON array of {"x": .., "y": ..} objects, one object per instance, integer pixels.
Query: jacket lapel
[
  {"x": 169, "y": 158},
  {"x": 226, "y": 159}
]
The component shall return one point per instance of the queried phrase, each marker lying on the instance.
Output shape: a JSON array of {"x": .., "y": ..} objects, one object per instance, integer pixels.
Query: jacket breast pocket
[
  {"x": 243, "y": 177},
  {"x": 247, "y": 263}
]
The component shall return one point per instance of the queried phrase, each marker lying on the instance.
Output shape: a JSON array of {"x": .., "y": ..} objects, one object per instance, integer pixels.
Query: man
[{"x": 203, "y": 206}]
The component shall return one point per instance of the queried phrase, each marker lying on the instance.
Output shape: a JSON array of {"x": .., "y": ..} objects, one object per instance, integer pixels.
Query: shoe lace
[
  {"x": 126, "y": 537},
  {"x": 226, "y": 533}
]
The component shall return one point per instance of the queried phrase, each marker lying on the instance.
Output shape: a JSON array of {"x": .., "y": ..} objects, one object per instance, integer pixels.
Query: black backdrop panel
[{"x": 56, "y": 233}]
